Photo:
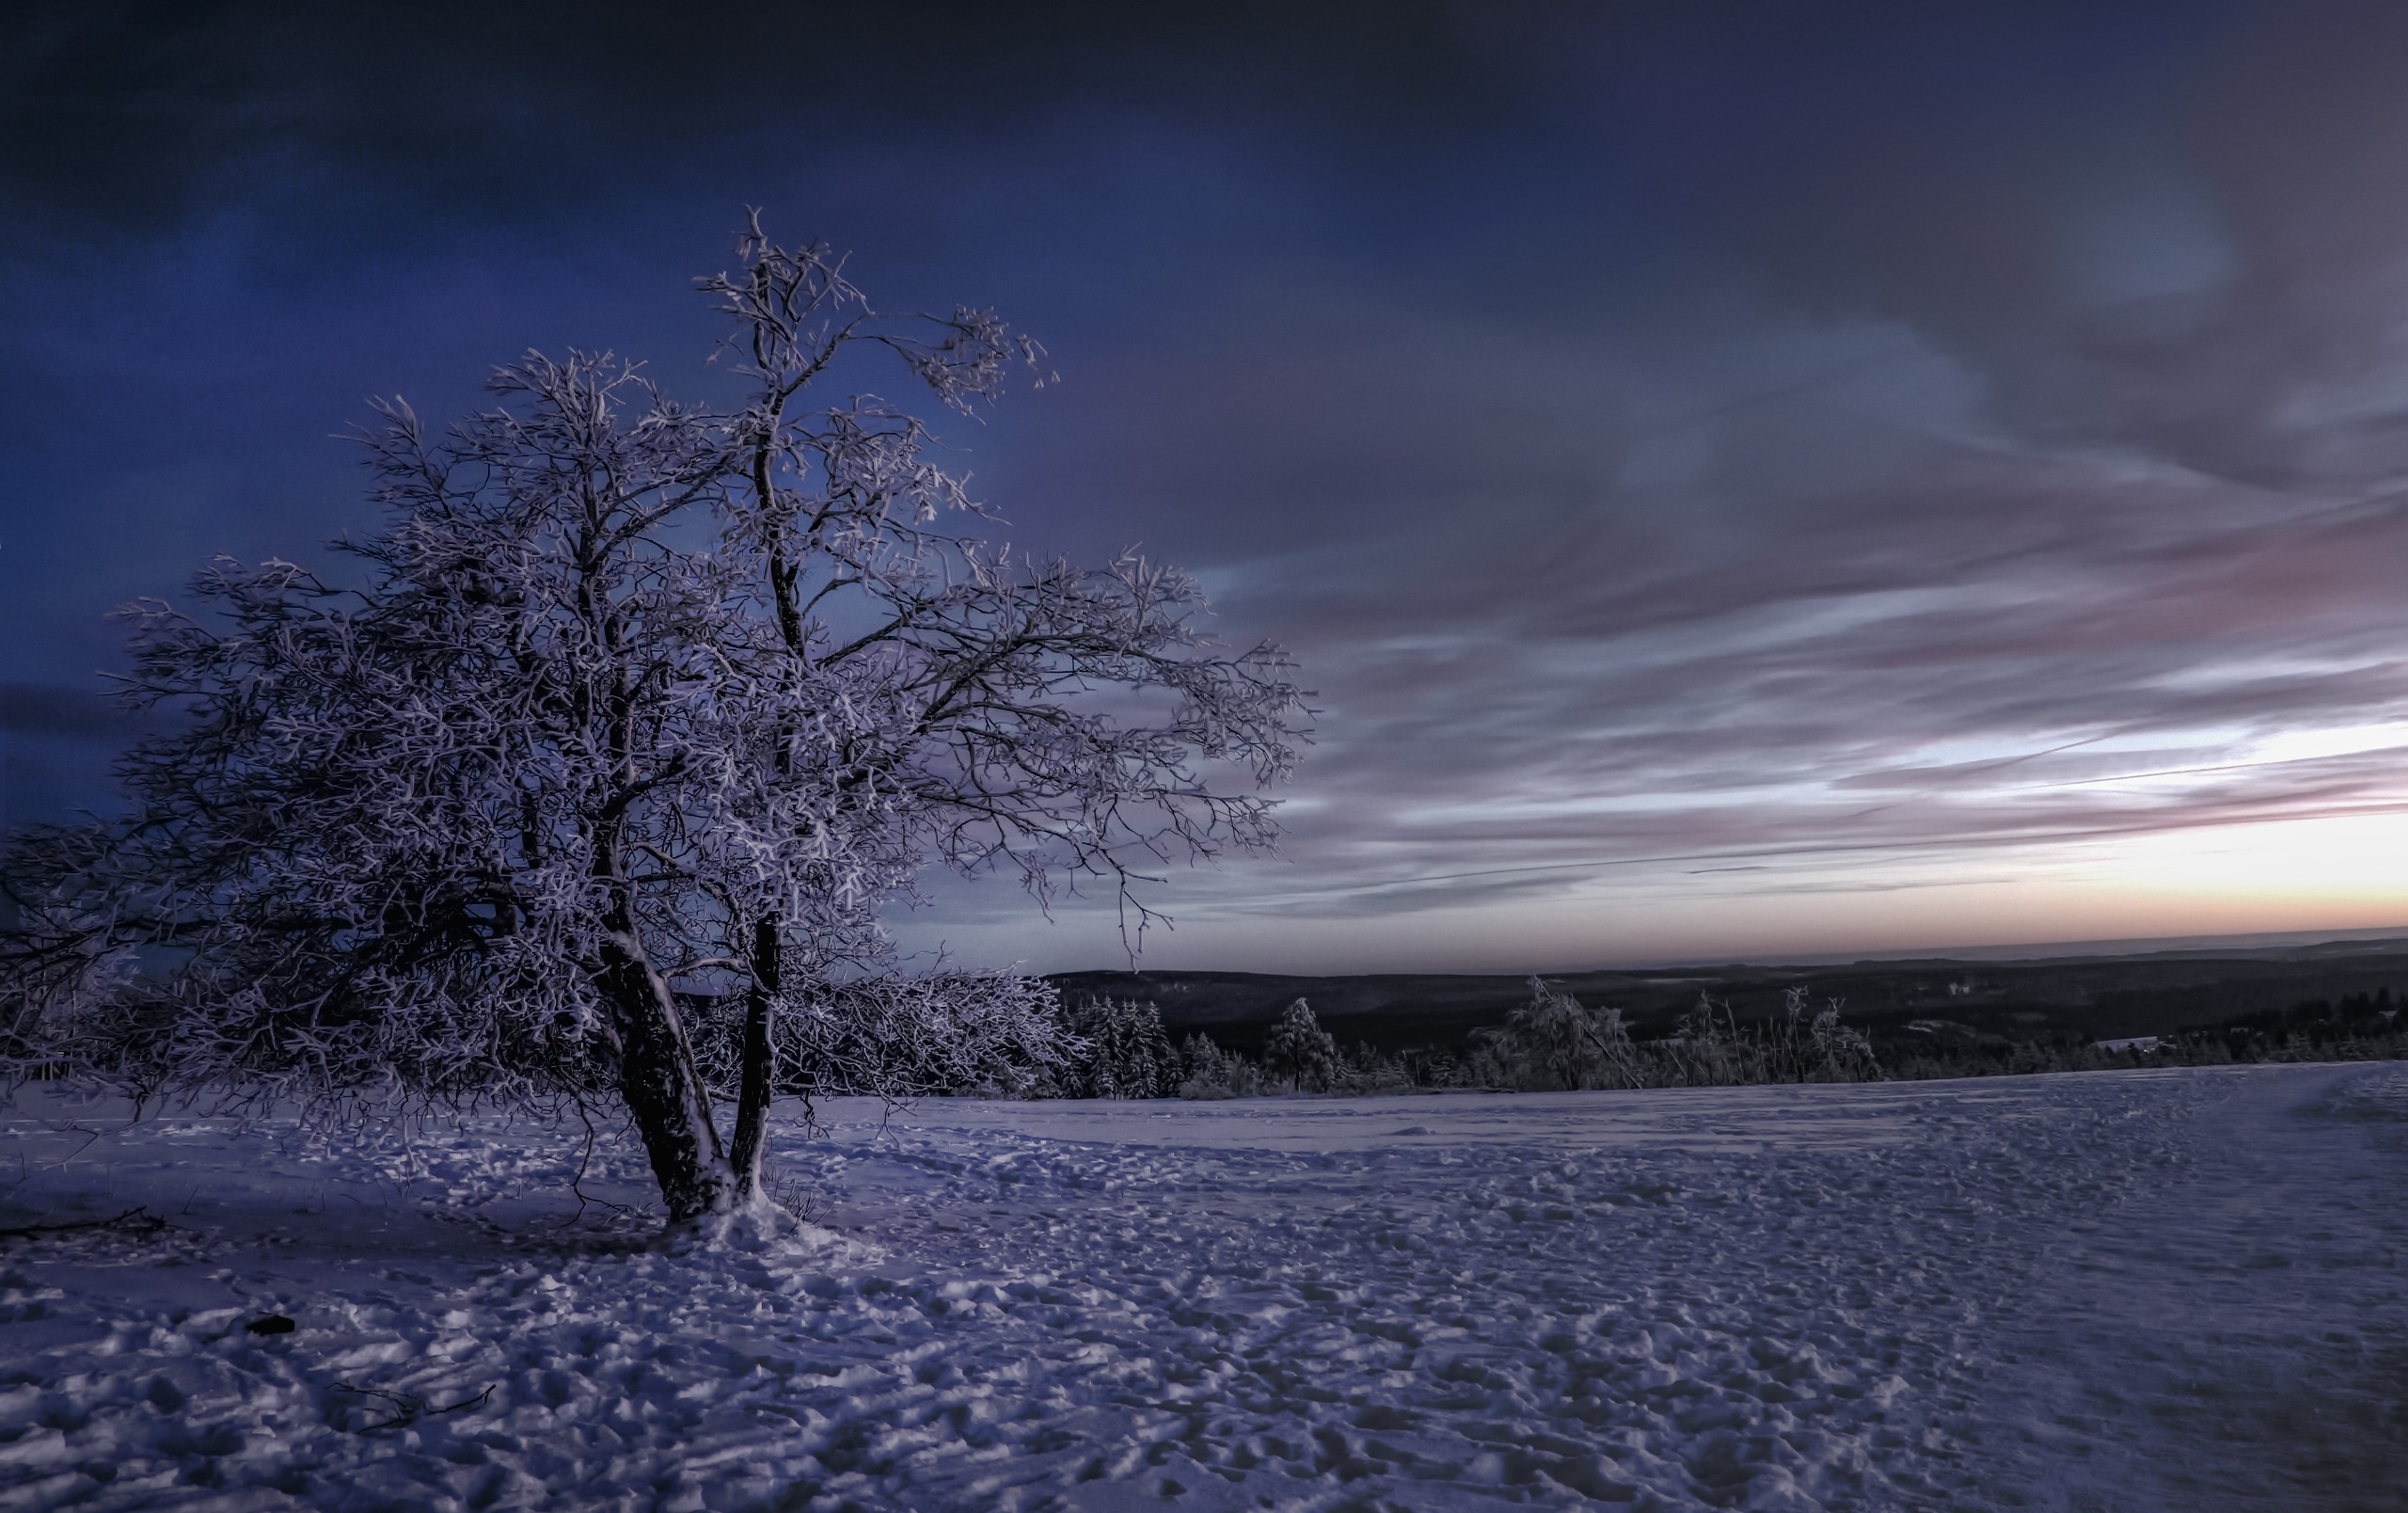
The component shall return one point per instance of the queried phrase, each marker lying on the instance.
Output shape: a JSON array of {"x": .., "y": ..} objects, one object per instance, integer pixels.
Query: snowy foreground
[{"x": 2121, "y": 1291}]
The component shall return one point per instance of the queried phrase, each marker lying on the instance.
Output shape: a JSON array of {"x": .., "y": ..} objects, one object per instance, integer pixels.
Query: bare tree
[{"x": 631, "y": 694}]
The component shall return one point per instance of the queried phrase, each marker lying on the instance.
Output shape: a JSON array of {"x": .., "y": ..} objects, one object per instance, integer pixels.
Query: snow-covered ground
[{"x": 2126, "y": 1291}]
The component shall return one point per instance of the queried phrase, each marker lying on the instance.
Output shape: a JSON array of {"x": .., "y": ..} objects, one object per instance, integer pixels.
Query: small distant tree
[
  {"x": 1567, "y": 1045},
  {"x": 1553, "y": 1043},
  {"x": 634, "y": 705},
  {"x": 1209, "y": 1071},
  {"x": 1300, "y": 1053},
  {"x": 1368, "y": 1069}
]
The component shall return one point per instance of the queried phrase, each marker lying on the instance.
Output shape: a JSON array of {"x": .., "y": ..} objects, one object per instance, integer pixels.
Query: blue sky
[{"x": 1743, "y": 479}]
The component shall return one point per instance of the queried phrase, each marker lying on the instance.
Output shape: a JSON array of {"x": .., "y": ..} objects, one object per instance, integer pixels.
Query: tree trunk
[
  {"x": 759, "y": 1075},
  {"x": 658, "y": 1078}
]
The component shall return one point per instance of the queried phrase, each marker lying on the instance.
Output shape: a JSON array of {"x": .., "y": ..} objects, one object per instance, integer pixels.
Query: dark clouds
[
  {"x": 155, "y": 115},
  {"x": 1874, "y": 450}
]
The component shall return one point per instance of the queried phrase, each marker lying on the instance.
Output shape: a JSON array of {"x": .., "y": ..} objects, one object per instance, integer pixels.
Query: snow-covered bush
[
  {"x": 1842, "y": 1052},
  {"x": 1707, "y": 1049},
  {"x": 1553, "y": 1043},
  {"x": 633, "y": 704}
]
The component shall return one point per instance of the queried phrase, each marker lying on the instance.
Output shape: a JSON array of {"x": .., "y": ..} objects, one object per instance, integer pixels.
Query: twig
[
  {"x": 413, "y": 1408},
  {"x": 139, "y": 1220},
  {"x": 575, "y": 1184}
]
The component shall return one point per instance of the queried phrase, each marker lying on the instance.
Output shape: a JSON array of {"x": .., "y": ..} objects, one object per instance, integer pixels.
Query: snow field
[{"x": 1862, "y": 1296}]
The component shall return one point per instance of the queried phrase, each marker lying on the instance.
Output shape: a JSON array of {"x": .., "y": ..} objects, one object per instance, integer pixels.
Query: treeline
[
  {"x": 1553, "y": 1043},
  {"x": 2356, "y": 1028},
  {"x": 1124, "y": 1052}
]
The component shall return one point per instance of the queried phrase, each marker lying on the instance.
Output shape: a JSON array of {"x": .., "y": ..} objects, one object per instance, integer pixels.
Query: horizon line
[{"x": 2033, "y": 951}]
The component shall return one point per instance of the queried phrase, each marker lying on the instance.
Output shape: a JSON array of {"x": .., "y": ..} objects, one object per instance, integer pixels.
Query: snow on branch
[{"x": 626, "y": 689}]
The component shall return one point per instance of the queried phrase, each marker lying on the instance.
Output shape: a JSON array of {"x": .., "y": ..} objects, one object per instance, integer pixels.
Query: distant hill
[{"x": 2061, "y": 997}]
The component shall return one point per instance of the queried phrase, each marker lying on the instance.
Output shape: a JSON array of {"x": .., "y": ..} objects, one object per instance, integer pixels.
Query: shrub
[{"x": 1553, "y": 1043}]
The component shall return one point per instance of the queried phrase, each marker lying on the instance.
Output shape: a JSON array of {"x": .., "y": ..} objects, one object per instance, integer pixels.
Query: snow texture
[{"x": 2179, "y": 1289}]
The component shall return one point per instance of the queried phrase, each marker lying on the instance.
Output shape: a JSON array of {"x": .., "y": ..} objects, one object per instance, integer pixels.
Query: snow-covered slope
[{"x": 2117, "y": 1291}]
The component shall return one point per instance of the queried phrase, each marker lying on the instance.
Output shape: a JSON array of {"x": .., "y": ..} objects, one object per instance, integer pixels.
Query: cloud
[
  {"x": 1674, "y": 439},
  {"x": 2056, "y": 434},
  {"x": 150, "y": 115}
]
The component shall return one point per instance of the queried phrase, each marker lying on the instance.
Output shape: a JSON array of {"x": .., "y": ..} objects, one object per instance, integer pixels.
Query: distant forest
[{"x": 1225, "y": 1034}]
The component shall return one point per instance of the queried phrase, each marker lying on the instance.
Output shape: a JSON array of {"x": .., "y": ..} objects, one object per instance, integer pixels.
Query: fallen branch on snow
[
  {"x": 412, "y": 1407},
  {"x": 141, "y": 1220}
]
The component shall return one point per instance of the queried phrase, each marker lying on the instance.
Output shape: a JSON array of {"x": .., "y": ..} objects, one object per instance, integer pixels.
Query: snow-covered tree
[
  {"x": 1300, "y": 1052},
  {"x": 1553, "y": 1043},
  {"x": 629, "y": 694},
  {"x": 1207, "y": 1071},
  {"x": 1126, "y": 1052}
]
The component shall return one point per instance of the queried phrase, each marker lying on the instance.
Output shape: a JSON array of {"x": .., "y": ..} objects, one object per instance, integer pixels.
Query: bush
[{"x": 1553, "y": 1043}]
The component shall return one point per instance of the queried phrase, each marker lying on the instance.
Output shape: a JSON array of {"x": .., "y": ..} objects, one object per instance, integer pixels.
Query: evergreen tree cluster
[{"x": 1120, "y": 1051}]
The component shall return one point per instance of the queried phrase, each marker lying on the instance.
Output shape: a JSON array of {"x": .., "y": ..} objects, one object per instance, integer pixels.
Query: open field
[{"x": 2129, "y": 1291}]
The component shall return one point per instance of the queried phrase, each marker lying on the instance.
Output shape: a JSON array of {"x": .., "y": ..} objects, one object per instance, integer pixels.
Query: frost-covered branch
[{"x": 626, "y": 692}]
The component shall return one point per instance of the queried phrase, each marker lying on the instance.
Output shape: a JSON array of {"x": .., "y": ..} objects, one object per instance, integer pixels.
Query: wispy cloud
[{"x": 1829, "y": 442}]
